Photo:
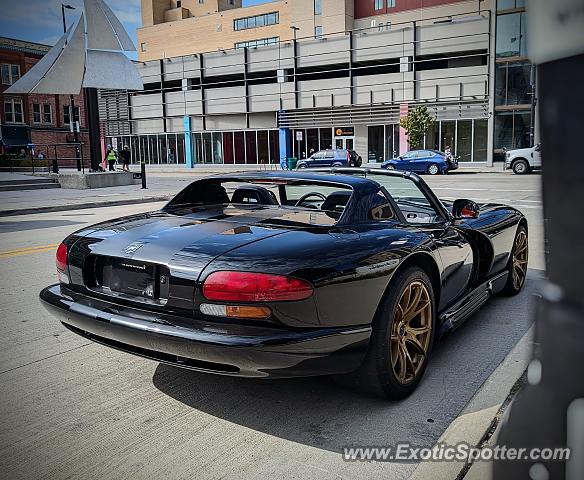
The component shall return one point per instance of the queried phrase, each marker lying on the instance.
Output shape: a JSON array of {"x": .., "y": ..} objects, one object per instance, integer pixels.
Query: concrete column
[
  {"x": 188, "y": 145},
  {"x": 404, "y": 145}
]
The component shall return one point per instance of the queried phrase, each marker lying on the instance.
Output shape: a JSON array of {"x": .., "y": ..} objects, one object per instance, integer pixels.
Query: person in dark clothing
[{"x": 125, "y": 155}]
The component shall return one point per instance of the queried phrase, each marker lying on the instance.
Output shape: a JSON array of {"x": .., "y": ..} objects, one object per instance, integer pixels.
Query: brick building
[{"x": 41, "y": 122}]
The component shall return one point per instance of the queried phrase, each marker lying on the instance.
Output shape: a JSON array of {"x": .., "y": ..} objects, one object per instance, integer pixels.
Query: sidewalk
[{"x": 38, "y": 201}]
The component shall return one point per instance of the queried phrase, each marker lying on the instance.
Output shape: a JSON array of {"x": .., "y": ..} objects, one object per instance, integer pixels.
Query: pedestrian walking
[
  {"x": 111, "y": 156},
  {"x": 125, "y": 155}
]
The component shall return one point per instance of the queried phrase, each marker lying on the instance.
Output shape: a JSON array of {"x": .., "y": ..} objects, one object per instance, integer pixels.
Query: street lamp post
[{"x": 72, "y": 100}]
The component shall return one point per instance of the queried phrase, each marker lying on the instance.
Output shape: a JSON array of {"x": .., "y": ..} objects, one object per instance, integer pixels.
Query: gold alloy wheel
[
  {"x": 411, "y": 331},
  {"x": 519, "y": 262}
]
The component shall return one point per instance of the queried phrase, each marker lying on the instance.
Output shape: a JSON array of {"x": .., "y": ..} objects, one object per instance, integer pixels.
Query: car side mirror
[
  {"x": 537, "y": 148},
  {"x": 400, "y": 157},
  {"x": 463, "y": 208}
]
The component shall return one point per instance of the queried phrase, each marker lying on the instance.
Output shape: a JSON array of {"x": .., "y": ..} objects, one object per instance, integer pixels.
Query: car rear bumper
[{"x": 216, "y": 348}]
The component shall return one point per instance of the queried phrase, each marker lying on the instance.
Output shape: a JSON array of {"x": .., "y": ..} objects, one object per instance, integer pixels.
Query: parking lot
[{"x": 71, "y": 408}]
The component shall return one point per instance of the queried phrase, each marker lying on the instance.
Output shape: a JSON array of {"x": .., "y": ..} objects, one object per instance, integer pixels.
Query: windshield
[
  {"x": 290, "y": 201},
  {"x": 414, "y": 205}
]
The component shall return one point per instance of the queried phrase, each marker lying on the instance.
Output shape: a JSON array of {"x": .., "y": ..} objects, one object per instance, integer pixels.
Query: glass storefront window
[
  {"x": 511, "y": 35},
  {"x": 239, "y": 142},
  {"x": 163, "y": 150},
  {"x": 207, "y": 148},
  {"x": 197, "y": 147},
  {"x": 326, "y": 138},
  {"x": 464, "y": 140},
  {"x": 154, "y": 152},
  {"x": 312, "y": 140},
  {"x": 299, "y": 146},
  {"x": 274, "y": 146},
  {"x": 375, "y": 151},
  {"x": 228, "y": 157},
  {"x": 217, "y": 147},
  {"x": 447, "y": 135},
  {"x": 263, "y": 154},
  {"x": 171, "y": 148},
  {"x": 432, "y": 137},
  {"x": 250, "y": 145},
  {"x": 481, "y": 131},
  {"x": 391, "y": 141},
  {"x": 180, "y": 148},
  {"x": 513, "y": 129}
]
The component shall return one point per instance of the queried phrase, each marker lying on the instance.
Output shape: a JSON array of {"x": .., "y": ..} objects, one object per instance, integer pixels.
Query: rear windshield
[{"x": 275, "y": 201}]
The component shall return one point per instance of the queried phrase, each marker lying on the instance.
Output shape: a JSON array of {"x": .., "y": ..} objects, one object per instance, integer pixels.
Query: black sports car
[{"x": 279, "y": 274}]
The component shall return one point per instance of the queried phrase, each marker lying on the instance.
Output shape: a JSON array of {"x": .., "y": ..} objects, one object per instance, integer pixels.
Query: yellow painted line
[{"x": 29, "y": 250}]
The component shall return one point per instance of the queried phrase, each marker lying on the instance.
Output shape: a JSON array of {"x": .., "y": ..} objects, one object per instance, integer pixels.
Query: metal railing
[{"x": 50, "y": 155}]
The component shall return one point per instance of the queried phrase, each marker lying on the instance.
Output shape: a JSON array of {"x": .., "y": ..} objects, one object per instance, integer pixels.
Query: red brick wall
[
  {"x": 366, "y": 8},
  {"x": 45, "y": 141}
]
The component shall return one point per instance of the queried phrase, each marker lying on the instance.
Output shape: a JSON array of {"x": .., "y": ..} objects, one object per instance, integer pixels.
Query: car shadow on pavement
[{"x": 319, "y": 413}]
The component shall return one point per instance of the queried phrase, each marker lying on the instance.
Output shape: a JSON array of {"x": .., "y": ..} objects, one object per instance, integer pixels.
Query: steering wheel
[{"x": 303, "y": 198}]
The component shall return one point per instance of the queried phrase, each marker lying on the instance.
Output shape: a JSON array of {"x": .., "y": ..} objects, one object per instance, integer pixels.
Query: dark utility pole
[{"x": 72, "y": 100}]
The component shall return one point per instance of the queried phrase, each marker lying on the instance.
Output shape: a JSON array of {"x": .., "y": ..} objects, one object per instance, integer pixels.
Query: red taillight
[
  {"x": 254, "y": 287},
  {"x": 62, "y": 257}
]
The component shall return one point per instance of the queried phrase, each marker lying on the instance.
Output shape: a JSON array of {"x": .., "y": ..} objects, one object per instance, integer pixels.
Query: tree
[{"x": 417, "y": 122}]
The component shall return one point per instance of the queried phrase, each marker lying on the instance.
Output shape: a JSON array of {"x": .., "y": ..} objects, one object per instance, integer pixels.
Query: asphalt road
[{"x": 73, "y": 409}]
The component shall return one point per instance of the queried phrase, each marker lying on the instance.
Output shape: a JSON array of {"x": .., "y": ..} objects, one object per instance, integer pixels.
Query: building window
[
  {"x": 390, "y": 3},
  {"x": 67, "y": 114},
  {"x": 514, "y": 83},
  {"x": 510, "y": 4},
  {"x": 36, "y": 113},
  {"x": 261, "y": 42},
  {"x": 13, "y": 111},
  {"x": 10, "y": 73},
  {"x": 47, "y": 113},
  {"x": 378, "y": 5},
  {"x": 143, "y": 46},
  {"x": 511, "y": 35},
  {"x": 255, "y": 21},
  {"x": 178, "y": 3},
  {"x": 318, "y": 7},
  {"x": 318, "y": 31},
  {"x": 201, "y": 2}
]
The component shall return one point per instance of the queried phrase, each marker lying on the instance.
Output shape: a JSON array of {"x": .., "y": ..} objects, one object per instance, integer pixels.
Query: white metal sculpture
[{"x": 89, "y": 55}]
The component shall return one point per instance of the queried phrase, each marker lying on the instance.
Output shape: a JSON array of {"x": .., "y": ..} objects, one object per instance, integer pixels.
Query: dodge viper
[{"x": 347, "y": 271}]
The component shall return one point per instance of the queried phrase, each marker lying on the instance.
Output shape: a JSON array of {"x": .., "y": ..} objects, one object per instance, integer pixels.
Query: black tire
[
  {"x": 337, "y": 164},
  {"x": 376, "y": 374},
  {"x": 433, "y": 169},
  {"x": 302, "y": 165},
  {"x": 513, "y": 286},
  {"x": 521, "y": 167}
]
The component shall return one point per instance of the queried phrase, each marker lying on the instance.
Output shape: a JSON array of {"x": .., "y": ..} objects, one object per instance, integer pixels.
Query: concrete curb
[{"x": 81, "y": 206}]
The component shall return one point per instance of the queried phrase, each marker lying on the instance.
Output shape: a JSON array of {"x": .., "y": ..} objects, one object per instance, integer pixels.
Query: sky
[{"x": 40, "y": 20}]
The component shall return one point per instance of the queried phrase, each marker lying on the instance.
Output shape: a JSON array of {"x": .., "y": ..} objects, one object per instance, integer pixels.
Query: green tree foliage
[{"x": 416, "y": 124}]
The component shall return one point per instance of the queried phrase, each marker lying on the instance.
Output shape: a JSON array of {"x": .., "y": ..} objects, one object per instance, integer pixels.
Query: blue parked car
[{"x": 421, "y": 161}]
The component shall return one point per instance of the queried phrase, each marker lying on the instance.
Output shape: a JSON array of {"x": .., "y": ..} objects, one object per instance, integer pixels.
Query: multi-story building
[
  {"x": 36, "y": 120},
  {"x": 227, "y": 84}
]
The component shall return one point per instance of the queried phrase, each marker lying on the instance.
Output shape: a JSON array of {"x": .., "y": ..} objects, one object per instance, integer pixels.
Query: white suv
[{"x": 524, "y": 160}]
